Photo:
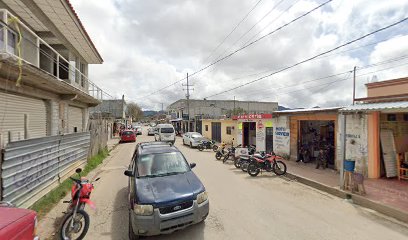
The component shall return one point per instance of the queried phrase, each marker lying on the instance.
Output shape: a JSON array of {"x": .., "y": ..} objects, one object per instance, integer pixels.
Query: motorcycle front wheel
[
  {"x": 200, "y": 147},
  {"x": 218, "y": 156},
  {"x": 244, "y": 166},
  {"x": 215, "y": 148},
  {"x": 253, "y": 170},
  {"x": 226, "y": 157},
  {"x": 237, "y": 163},
  {"x": 279, "y": 168},
  {"x": 80, "y": 226}
]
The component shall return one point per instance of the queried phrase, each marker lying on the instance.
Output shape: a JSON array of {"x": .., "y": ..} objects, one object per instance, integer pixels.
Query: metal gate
[
  {"x": 30, "y": 166},
  {"x": 269, "y": 139},
  {"x": 21, "y": 118},
  {"x": 216, "y": 131},
  {"x": 75, "y": 119}
]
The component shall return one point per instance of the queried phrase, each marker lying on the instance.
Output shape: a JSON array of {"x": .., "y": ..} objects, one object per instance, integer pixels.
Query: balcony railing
[{"x": 37, "y": 52}]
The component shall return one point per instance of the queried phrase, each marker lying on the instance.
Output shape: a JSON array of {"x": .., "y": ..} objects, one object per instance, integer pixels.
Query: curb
[{"x": 357, "y": 199}]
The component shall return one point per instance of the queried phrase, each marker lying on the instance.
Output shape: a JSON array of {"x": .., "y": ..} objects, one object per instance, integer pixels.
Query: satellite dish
[{"x": 374, "y": 79}]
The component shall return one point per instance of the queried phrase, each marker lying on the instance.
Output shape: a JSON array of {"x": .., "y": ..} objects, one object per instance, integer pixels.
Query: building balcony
[{"x": 43, "y": 65}]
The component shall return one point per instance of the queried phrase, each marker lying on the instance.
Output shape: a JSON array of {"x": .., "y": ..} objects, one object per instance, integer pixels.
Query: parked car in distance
[
  {"x": 17, "y": 223},
  {"x": 165, "y": 195},
  {"x": 151, "y": 131},
  {"x": 193, "y": 139},
  {"x": 165, "y": 133},
  {"x": 128, "y": 136}
]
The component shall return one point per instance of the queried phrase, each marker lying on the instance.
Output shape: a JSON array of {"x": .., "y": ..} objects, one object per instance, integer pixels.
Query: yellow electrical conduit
[{"x": 16, "y": 21}]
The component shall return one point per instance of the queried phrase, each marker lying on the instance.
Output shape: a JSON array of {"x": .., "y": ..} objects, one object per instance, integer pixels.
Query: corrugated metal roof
[
  {"x": 376, "y": 106},
  {"x": 309, "y": 110}
]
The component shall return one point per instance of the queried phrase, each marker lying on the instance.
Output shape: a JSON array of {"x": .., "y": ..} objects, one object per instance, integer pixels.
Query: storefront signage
[
  {"x": 252, "y": 116},
  {"x": 260, "y": 124},
  {"x": 281, "y": 131},
  {"x": 268, "y": 124},
  {"x": 240, "y": 126},
  {"x": 352, "y": 135}
]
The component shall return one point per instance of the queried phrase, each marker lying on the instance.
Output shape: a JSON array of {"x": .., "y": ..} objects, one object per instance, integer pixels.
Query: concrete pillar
[{"x": 374, "y": 145}]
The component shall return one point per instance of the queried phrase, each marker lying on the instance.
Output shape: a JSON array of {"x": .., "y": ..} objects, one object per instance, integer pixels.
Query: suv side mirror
[
  {"x": 192, "y": 165},
  {"x": 129, "y": 173}
]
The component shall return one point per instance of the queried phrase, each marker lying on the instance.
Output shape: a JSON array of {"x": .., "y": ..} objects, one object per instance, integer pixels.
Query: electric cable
[
  {"x": 311, "y": 58},
  {"x": 242, "y": 48}
]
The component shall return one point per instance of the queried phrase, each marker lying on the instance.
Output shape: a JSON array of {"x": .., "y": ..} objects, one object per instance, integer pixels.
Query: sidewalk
[
  {"x": 388, "y": 196},
  {"x": 112, "y": 143}
]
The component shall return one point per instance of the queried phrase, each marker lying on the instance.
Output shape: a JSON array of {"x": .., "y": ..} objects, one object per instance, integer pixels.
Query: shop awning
[
  {"x": 383, "y": 106},
  {"x": 176, "y": 120}
]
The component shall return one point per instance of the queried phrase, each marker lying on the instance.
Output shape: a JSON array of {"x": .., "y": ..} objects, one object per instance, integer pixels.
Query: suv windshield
[
  {"x": 161, "y": 164},
  {"x": 167, "y": 130}
]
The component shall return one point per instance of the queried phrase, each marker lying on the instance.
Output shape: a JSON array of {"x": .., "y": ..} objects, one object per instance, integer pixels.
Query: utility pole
[
  {"x": 188, "y": 101},
  {"x": 162, "y": 107},
  {"x": 234, "y": 108},
  {"x": 354, "y": 84}
]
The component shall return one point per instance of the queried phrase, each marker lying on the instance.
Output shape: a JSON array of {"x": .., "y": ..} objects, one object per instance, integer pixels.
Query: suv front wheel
[{"x": 132, "y": 235}]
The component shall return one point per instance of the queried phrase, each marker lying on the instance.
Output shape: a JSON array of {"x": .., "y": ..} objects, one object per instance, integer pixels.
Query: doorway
[
  {"x": 269, "y": 139},
  {"x": 216, "y": 131},
  {"x": 249, "y": 133}
]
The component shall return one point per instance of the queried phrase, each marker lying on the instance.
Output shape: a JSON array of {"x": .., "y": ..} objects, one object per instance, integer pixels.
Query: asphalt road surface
[{"x": 241, "y": 207}]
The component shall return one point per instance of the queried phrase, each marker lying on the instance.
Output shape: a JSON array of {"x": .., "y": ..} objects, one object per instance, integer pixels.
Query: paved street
[{"x": 242, "y": 207}]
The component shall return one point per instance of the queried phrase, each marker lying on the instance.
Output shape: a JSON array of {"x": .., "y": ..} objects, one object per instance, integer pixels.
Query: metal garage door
[
  {"x": 216, "y": 131},
  {"x": 75, "y": 116},
  {"x": 21, "y": 117}
]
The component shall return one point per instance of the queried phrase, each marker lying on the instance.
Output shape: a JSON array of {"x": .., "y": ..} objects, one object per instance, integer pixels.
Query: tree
[{"x": 134, "y": 111}]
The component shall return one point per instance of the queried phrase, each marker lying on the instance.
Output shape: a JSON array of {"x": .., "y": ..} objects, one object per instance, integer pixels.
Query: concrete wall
[
  {"x": 357, "y": 141},
  {"x": 387, "y": 88},
  {"x": 213, "y": 108},
  {"x": 281, "y": 135},
  {"x": 224, "y": 124}
]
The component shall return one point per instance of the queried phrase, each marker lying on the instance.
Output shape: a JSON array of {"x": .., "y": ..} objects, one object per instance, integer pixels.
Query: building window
[
  {"x": 391, "y": 117},
  {"x": 206, "y": 128},
  {"x": 406, "y": 117},
  {"x": 229, "y": 130}
]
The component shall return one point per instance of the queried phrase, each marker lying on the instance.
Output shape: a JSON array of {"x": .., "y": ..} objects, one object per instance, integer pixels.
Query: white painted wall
[
  {"x": 357, "y": 141},
  {"x": 281, "y": 135}
]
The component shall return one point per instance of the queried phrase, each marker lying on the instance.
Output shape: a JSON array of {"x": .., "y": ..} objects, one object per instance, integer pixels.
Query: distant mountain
[{"x": 281, "y": 108}]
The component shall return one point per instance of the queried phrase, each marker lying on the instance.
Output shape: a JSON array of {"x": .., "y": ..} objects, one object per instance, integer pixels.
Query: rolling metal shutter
[
  {"x": 19, "y": 114},
  {"x": 75, "y": 116}
]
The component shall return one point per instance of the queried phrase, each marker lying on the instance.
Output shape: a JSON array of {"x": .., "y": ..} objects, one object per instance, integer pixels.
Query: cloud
[{"x": 147, "y": 45}]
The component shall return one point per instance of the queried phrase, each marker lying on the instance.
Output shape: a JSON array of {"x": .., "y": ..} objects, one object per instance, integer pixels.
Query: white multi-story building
[{"x": 44, "y": 57}]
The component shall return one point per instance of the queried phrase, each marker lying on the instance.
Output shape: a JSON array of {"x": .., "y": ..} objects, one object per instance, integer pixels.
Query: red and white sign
[{"x": 252, "y": 116}]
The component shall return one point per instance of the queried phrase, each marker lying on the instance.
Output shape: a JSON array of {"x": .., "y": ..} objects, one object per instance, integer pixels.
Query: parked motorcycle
[
  {"x": 210, "y": 144},
  {"x": 243, "y": 160},
  {"x": 230, "y": 154},
  {"x": 267, "y": 162},
  {"x": 76, "y": 222}
]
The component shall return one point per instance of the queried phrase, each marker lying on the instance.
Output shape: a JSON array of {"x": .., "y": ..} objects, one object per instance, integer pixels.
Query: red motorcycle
[
  {"x": 76, "y": 222},
  {"x": 267, "y": 162}
]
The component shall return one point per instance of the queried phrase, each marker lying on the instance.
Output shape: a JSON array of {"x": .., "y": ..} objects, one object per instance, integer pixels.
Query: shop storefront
[
  {"x": 302, "y": 133},
  {"x": 255, "y": 129},
  {"x": 383, "y": 150}
]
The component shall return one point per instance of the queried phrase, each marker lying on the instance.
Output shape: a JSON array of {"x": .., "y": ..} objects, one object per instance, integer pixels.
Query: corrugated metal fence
[{"x": 29, "y": 166}]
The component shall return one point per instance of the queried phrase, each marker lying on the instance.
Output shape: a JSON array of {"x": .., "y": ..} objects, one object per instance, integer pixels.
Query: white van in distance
[{"x": 165, "y": 133}]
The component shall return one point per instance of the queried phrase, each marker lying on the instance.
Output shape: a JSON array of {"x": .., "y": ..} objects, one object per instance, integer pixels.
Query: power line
[
  {"x": 247, "y": 45},
  {"x": 233, "y": 30},
  {"x": 333, "y": 75},
  {"x": 242, "y": 36},
  {"x": 311, "y": 58}
]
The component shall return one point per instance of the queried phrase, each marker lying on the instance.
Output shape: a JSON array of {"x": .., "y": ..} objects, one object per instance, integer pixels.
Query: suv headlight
[
  {"x": 143, "y": 210},
  {"x": 202, "y": 197}
]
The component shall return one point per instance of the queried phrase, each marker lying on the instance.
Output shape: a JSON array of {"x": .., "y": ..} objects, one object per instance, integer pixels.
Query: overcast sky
[{"x": 147, "y": 45}]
